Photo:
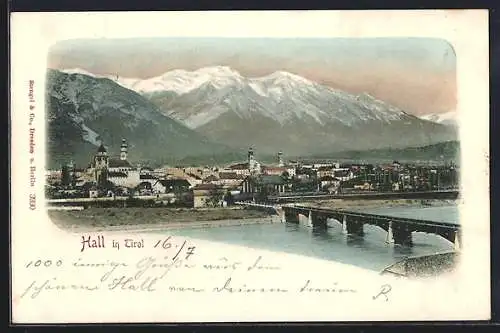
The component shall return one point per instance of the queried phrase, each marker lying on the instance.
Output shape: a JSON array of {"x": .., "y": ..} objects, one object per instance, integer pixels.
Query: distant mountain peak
[
  {"x": 218, "y": 70},
  {"x": 278, "y": 77},
  {"x": 444, "y": 118}
]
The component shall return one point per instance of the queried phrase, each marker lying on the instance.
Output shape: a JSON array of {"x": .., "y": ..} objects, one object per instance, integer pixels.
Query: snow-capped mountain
[
  {"x": 280, "y": 96},
  {"x": 85, "y": 111},
  {"x": 179, "y": 81},
  {"x": 282, "y": 111},
  {"x": 445, "y": 118},
  {"x": 286, "y": 111}
]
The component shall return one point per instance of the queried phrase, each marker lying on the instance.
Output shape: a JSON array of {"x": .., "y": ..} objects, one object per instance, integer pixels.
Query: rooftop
[
  {"x": 268, "y": 179},
  {"x": 210, "y": 178},
  {"x": 206, "y": 187},
  {"x": 174, "y": 183},
  {"x": 118, "y": 163},
  {"x": 230, "y": 175},
  {"x": 238, "y": 166}
]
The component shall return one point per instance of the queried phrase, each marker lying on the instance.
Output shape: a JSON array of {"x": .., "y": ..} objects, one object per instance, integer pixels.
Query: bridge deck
[
  {"x": 444, "y": 214},
  {"x": 381, "y": 217}
]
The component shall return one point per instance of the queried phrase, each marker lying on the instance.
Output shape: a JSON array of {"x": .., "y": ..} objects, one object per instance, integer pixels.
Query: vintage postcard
[{"x": 250, "y": 166}]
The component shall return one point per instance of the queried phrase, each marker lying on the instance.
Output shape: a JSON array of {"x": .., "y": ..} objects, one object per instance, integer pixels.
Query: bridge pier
[
  {"x": 390, "y": 237},
  {"x": 355, "y": 228},
  {"x": 291, "y": 216},
  {"x": 344, "y": 224},
  {"x": 402, "y": 235},
  {"x": 456, "y": 243},
  {"x": 318, "y": 220},
  {"x": 399, "y": 230}
]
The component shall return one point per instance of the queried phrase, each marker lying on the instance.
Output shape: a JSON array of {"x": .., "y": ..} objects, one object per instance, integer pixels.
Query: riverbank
[{"x": 100, "y": 219}]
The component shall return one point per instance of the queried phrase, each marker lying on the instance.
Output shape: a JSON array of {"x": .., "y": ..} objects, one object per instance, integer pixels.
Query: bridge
[
  {"x": 272, "y": 209},
  {"x": 398, "y": 229},
  {"x": 448, "y": 194}
]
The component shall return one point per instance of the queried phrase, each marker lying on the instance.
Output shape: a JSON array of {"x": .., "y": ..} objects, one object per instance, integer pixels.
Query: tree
[
  {"x": 285, "y": 176},
  {"x": 214, "y": 197},
  {"x": 65, "y": 176},
  {"x": 262, "y": 194},
  {"x": 73, "y": 177},
  {"x": 228, "y": 197}
]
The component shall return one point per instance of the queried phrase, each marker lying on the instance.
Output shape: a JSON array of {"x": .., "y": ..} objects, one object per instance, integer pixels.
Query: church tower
[
  {"x": 124, "y": 150},
  {"x": 251, "y": 160},
  {"x": 101, "y": 162},
  {"x": 280, "y": 159}
]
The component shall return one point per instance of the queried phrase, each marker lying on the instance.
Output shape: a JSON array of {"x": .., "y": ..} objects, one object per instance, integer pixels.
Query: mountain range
[
  {"x": 84, "y": 111},
  {"x": 440, "y": 152},
  {"x": 216, "y": 110}
]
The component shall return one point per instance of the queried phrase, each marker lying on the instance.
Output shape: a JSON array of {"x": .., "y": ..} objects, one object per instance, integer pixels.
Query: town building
[
  {"x": 164, "y": 186},
  {"x": 325, "y": 171},
  {"x": 239, "y": 168},
  {"x": 229, "y": 179},
  {"x": 270, "y": 184},
  {"x": 119, "y": 171},
  {"x": 250, "y": 167},
  {"x": 277, "y": 171},
  {"x": 207, "y": 195},
  {"x": 327, "y": 181},
  {"x": 344, "y": 174}
]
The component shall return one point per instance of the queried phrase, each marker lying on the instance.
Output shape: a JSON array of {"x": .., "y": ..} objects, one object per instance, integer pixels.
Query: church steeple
[
  {"x": 101, "y": 162},
  {"x": 124, "y": 150},
  {"x": 251, "y": 159},
  {"x": 102, "y": 150},
  {"x": 280, "y": 159}
]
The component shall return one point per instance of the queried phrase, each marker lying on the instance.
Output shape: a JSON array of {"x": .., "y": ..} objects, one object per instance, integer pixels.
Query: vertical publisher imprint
[{"x": 32, "y": 164}]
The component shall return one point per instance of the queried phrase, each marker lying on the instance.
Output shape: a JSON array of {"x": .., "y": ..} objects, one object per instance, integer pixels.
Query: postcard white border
[{"x": 467, "y": 30}]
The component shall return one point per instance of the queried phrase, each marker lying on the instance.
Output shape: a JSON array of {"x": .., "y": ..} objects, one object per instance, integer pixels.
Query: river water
[{"x": 368, "y": 252}]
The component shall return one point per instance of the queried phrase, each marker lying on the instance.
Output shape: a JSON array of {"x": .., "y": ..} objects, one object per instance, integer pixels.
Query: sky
[{"x": 415, "y": 74}]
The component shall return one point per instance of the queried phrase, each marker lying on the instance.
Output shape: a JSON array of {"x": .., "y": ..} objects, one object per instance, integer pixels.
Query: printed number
[
  {"x": 46, "y": 263},
  {"x": 165, "y": 244},
  {"x": 32, "y": 201}
]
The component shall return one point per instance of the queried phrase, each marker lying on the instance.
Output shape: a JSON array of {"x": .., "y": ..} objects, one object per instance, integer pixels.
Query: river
[{"x": 368, "y": 252}]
